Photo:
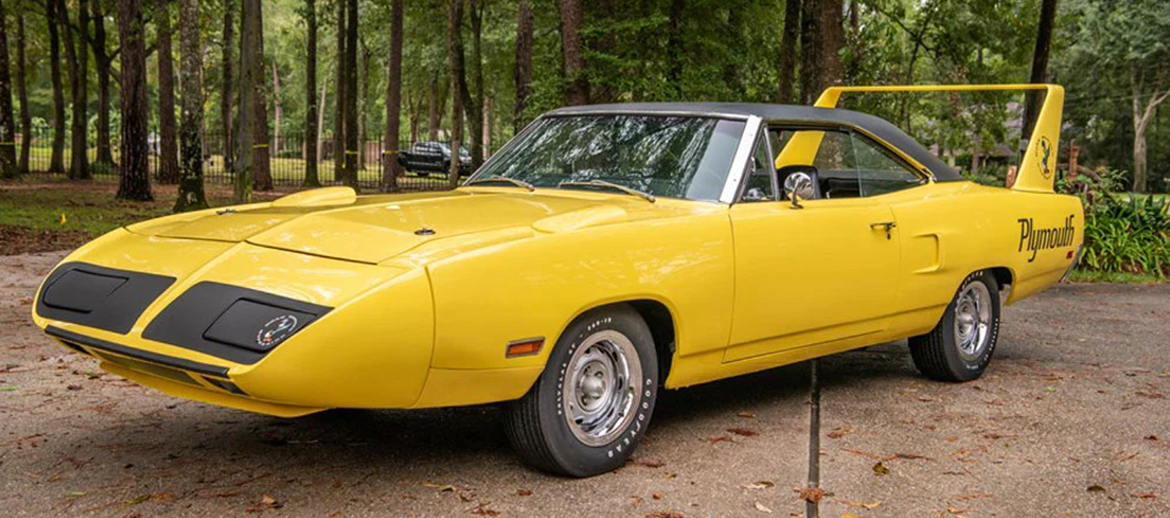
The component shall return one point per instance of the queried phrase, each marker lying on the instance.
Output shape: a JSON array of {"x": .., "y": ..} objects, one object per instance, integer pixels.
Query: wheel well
[
  {"x": 661, "y": 324},
  {"x": 1003, "y": 276}
]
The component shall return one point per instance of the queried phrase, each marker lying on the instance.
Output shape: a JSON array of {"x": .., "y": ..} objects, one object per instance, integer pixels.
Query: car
[
  {"x": 433, "y": 157},
  {"x": 605, "y": 254}
]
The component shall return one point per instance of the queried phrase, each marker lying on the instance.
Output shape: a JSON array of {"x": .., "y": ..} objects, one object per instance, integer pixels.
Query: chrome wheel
[
  {"x": 973, "y": 320},
  {"x": 599, "y": 393}
]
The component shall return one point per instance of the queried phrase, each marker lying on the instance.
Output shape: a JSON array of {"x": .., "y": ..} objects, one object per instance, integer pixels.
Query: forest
[{"x": 314, "y": 92}]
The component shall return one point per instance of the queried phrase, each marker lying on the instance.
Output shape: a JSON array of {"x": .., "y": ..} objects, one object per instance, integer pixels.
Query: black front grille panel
[{"x": 99, "y": 297}]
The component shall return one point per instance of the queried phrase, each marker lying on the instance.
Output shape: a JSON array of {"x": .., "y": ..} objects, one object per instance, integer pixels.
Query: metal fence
[{"x": 285, "y": 154}]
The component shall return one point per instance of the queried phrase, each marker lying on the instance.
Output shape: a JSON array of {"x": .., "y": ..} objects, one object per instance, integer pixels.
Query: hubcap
[
  {"x": 599, "y": 390},
  {"x": 973, "y": 320}
]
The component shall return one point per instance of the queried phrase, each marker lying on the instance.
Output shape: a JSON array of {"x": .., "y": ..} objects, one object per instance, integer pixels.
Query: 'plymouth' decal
[{"x": 1034, "y": 240}]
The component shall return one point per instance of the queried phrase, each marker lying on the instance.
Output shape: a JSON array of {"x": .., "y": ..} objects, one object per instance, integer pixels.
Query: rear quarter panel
[{"x": 949, "y": 230}]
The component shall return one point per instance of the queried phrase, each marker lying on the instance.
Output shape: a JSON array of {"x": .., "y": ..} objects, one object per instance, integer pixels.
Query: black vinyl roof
[{"x": 785, "y": 113}]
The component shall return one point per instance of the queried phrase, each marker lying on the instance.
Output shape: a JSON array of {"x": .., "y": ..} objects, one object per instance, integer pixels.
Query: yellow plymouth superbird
[{"x": 603, "y": 254}]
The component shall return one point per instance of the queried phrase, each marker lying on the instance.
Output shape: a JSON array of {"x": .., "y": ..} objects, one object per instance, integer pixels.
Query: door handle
[{"x": 885, "y": 225}]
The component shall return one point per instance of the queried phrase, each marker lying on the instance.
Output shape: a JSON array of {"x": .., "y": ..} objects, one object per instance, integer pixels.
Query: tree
[
  {"x": 191, "y": 195},
  {"x": 522, "y": 77},
  {"x": 573, "y": 68},
  {"x": 312, "y": 108},
  {"x": 56, "y": 160},
  {"x": 473, "y": 96},
  {"x": 134, "y": 179},
  {"x": 8, "y": 166},
  {"x": 455, "y": 74},
  {"x": 226, "y": 94},
  {"x": 77, "y": 55},
  {"x": 351, "y": 98},
  {"x": 339, "y": 103},
  {"x": 249, "y": 77},
  {"x": 261, "y": 164},
  {"x": 811, "y": 48},
  {"x": 103, "y": 62},
  {"x": 168, "y": 153},
  {"x": 391, "y": 170},
  {"x": 1125, "y": 43},
  {"x": 1039, "y": 64},
  {"x": 788, "y": 51},
  {"x": 22, "y": 95},
  {"x": 833, "y": 40}
]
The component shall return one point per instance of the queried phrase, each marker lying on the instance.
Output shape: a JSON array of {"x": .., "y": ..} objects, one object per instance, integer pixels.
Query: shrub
[{"x": 1128, "y": 236}]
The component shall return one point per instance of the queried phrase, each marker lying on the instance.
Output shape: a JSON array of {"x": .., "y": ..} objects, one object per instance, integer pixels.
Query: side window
[
  {"x": 837, "y": 166},
  {"x": 878, "y": 171},
  {"x": 761, "y": 176}
]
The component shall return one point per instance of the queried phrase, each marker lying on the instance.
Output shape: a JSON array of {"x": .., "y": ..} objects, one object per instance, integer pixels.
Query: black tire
[
  {"x": 938, "y": 354},
  {"x": 537, "y": 425}
]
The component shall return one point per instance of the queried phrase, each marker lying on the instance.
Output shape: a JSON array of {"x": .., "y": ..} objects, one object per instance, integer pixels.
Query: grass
[{"x": 1082, "y": 275}]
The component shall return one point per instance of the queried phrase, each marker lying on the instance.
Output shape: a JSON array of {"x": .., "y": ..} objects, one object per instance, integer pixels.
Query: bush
[{"x": 1128, "y": 236}]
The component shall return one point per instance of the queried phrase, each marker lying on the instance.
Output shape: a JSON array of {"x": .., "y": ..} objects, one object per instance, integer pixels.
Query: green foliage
[{"x": 1130, "y": 235}]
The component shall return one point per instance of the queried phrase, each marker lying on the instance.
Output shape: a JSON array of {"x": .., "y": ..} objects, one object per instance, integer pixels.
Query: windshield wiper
[
  {"x": 610, "y": 185},
  {"x": 497, "y": 178}
]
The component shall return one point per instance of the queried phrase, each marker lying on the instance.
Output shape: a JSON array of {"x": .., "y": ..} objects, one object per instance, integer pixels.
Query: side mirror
[{"x": 800, "y": 183}]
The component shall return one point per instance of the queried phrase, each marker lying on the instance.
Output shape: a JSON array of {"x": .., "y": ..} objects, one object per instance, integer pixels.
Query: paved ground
[{"x": 1071, "y": 420}]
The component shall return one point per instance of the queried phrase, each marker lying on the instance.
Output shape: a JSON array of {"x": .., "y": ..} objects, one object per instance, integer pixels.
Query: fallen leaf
[
  {"x": 75, "y": 494},
  {"x": 1095, "y": 489},
  {"x": 73, "y": 387},
  {"x": 634, "y": 501},
  {"x": 1144, "y": 495},
  {"x": 524, "y": 492},
  {"x": 810, "y": 494},
  {"x": 881, "y": 469},
  {"x": 847, "y": 515},
  {"x": 866, "y": 505},
  {"x": 658, "y": 495},
  {"x": 648, "y": 463},
  {"x": 748, "y": 415},
  {"x": 138, "y": 499},
  {"x": 955, "y": 510},
  {"x": 762, "y": 484},
  {"x": 483, "y": 510},
  {"x": 665, "y": 514},
  {"x": 762, "y": 508},
  {"x": 746, "y": 432},
  {"x": 1151, "y": 437},
  {"x": 839, "y": 432},
  {"x": 718, "y": 438},
  {"x": 975, "y": 495}
]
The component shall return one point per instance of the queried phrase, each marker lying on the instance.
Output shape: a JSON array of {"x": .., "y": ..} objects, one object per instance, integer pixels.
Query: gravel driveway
[{"x": 1071, "y": 419}]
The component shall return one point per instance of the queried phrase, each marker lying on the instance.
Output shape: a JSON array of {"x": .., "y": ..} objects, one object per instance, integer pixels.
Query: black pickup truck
[{"x": 433, "y": 157}]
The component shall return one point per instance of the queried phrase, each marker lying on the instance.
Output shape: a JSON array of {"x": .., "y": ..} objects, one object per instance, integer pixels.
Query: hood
[{"x": 372, "y": 229}]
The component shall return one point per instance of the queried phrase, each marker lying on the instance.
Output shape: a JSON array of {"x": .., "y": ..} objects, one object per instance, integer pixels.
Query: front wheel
[
  {"x": 591, "y": 405},
  {"x": 960, "y": 346}
]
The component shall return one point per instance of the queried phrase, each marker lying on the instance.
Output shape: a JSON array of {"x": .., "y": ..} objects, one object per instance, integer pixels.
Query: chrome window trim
[{"x": 747, "y": 143}]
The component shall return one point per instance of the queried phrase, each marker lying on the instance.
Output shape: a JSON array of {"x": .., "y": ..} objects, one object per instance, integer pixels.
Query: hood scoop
[{"x": 581, "y": 218}]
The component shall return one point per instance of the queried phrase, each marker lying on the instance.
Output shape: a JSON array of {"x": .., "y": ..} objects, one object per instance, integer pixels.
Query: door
[{"x": 821, "y": 273}]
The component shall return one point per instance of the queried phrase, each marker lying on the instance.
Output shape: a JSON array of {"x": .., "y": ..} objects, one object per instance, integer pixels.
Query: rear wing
[{"x": 1038, "y": 162}]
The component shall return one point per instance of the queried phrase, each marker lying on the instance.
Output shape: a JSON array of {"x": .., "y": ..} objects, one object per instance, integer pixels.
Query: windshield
[{"x": 670, "y": 156}]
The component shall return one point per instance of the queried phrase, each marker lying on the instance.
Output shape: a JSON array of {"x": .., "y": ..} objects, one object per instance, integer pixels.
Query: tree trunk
[
  {"x": 474, "y": 102},
  {"x": 363, "y": 103},
  {"x": 1039, "y": 67},
  {"x": 1141, "y": 122},
  {"x": 168, "y": 153},
  {"x": 8, "y": 166},
  {"x": 249, "y": 78},
  {"x": 134, "y": 179},
  {"x": 811, "y": 47},
  {"x": 525, "y": 27},
  {"x": 339, "y": 109},
  {"x": 577, "y": 90},
  {"x": 77, "y": 54},
  {"x": 56, "y": 161},
  {"x": 102, "y": 62},
  {"x": 277, "y": 111},
  {"x": 351, "y": 91},
  {"x": 674, "y": 48},
  {"x": 455, "y": 73},
  {"x": 433, "y": 109},
  {"x": 788, "y": 51},
  {"x": 488, "y": 104},
  {"x": 261, "y": 152},
  {"x": 390, "y": 168},
  {"x": 191, "y": 195},
  {"x": 22, "y": 164},
  {"x": 320, "y": 124},
  {"x": 833, "y": 39},
  {"x": 312, "y": 108},
  {"x": 226, "y": 97}
]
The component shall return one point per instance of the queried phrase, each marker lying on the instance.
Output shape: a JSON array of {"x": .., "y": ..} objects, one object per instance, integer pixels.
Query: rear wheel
[
  {"x": 587, "y": 411},
  {"x": 960, "y": 346}
]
